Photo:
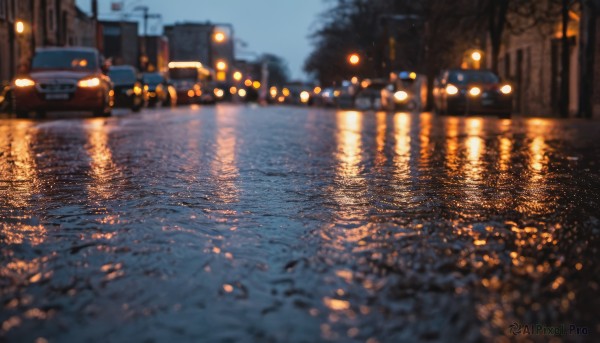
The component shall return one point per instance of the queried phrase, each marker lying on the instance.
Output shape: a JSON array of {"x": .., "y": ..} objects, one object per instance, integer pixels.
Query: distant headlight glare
[
  {"x": 401, "y": 96},
  {"x": 22, "y": 83},
  {"x": 451, "y": 90},
  {"x": 89, "y": 83},
  {"x": 506, "y": 89}
]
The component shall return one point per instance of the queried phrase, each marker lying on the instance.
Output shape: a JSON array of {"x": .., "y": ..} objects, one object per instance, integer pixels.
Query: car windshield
[
  {"x": 466, "y": 77},
  {"x": 61, "y": 59},
  {"x": 190, "y": 74},
  {"x": 153, "y": 79},
  {"x": 122, "y": 76}
]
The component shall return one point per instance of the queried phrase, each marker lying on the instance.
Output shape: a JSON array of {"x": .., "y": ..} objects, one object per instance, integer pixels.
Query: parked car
[
  {"x": 129, "y": 90},
  {"x": 462, "y": 91},
  {"x": 64, "y": 79},
  {"x": 407, "y": 90},
  {"x": 369, "y": 96},
  {"x": 159, "y": 90}
]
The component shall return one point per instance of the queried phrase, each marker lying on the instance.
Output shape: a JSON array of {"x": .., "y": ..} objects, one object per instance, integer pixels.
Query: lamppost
[
  {"x": 354, "y": 59},
  {"x": 220, "y": 49},
  {"x": 472, "y": 59}
]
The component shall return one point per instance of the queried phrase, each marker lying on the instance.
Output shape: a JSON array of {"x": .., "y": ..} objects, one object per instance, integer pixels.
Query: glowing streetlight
[
  {"x": 221, "y": 65},
  {"x": 237, "y": 76},
  {"x": 219, "y": 37},
  {"x": 354, "y": 59},
  {"x": 476, "y": 56},
  {"x": 20, "y": 27}
]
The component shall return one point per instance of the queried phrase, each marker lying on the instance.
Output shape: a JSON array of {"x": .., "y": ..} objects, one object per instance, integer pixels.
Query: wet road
[{"x": 241, "y": 224}]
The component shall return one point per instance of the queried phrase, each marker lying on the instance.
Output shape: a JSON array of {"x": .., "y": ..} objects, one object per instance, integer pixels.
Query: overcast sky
[{"x": 281, "y": 27}]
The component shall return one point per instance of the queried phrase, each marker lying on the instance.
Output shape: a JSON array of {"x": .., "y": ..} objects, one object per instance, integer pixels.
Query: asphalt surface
[{"x": 287, "y": 224}]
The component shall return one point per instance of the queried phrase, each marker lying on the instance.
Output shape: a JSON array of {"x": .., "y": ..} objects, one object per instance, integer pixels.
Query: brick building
[
  {"x": 195, "y": 42},
  {"x": 121, "y": 42},
  {"x": 44, "y": 23},
  {"x": 531, "y": 60}
]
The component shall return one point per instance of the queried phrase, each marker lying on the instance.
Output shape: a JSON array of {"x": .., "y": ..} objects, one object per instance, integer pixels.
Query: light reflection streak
[
  {"x": 102, "y": 168},
  {"x": 536, "y": 200},
  {"x": 224, "y": 167},
  {"x": 425, "y": 137},
  {"x": 452, "y": 144},
  {"x": 22, "y": 172},
  {"x": 349, "y": 138}
]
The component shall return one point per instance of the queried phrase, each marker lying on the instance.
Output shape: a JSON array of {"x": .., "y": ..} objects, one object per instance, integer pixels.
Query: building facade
[
  {"x": 121, "y": 42},
  {"x": 41, "y": 23},
  {"x": 209, "y": 43},
  {"x": 532, "y": 61}
]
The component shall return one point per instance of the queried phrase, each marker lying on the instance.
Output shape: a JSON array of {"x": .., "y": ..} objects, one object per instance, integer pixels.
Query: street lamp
[
  {"x": 353, "y": 59},
  {"x": 221, "y": 65},
  {"x": 219, "y": 37},
  {"x": 20, "y": 27},
  {"x": 237, "y": 76}
]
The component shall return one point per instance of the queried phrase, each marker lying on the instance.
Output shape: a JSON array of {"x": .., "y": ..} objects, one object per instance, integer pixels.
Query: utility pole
[
  {"x": 96, "y": 25},
  {"x": 146, "y": 16}
]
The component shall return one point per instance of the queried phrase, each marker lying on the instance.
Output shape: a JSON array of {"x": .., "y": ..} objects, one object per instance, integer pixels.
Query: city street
[{"x": 234, "y": 223}]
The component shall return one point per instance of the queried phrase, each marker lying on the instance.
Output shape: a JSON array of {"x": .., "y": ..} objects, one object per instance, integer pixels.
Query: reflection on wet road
[{"x": 294, "y": 225}]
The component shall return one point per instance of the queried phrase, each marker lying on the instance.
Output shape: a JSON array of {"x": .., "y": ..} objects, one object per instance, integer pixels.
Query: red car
[{"x": 64, "y": 79}]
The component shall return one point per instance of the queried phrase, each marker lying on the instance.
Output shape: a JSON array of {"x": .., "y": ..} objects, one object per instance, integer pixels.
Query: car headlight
[
  {"x": 401, "y": 96},
  {"x": 23, "y": 83},
  {"x": 506, "y": 89},
  {"x": 451, "y": 90},
  {"x": 137, "y": 90},
  {"x": 475, "y": 91},
  {"x": 89, "y": 83}
]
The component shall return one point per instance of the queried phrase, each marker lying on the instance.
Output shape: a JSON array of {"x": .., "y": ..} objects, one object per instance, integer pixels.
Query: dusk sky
[{"x": 275, "y": 26}]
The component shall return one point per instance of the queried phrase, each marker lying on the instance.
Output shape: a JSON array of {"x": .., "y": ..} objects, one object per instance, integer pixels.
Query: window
[{"x": 3, "y": 5}]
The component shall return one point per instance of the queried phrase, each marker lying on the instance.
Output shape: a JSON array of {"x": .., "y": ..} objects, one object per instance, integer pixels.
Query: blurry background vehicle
[
  {"x": 407, "y": 90},
  {"x": 462, "y": 91},
  {"x": 64, "y": 79},
  {"x": 159, "y": 90},
  {"x": 129, "y": 90},
  {"x": 369, "y": 95},
  {"x": 188, "y": 78},
  {"x": 328, "y": 97}
]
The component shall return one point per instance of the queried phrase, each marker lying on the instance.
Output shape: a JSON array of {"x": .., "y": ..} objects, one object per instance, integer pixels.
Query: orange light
[
  {"x": 233, "y": 90},
  {"x": 476, "y": 56},
  {"x": 256, "y": 84},
  {"x": 220, "y": 37},
  {"x": 304, "y": 96},
  {"x": 285, "y": 92},
  {"x": 354, "y": 59},
  {"x": 248, "y": 83},
  {"x": 221, "y": 65},
  {"x": 237, "y": 76},
  {"x": 19, "y": 27},
  {"x": 273, "y": 92},
  {"x": 475, "y": 91},
  {"x": 317, "y": 90},
  {"x": 191, "y": 93},
  {"x": 354, "y": 80},
  {"x": 175, "y": 65}
]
